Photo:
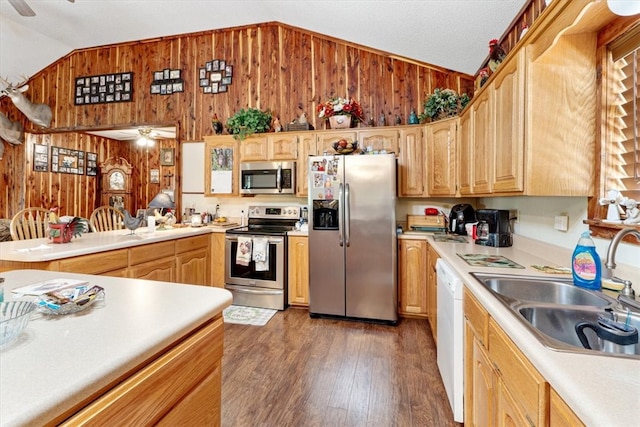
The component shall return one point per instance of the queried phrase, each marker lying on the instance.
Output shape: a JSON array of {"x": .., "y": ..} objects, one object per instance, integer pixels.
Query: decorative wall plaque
[
  {"x": 216, "y": 76},
  {"x": 102, "y": 89}
]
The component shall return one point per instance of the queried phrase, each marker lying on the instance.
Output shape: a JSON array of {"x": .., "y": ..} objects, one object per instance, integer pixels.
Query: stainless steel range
[{"x": 256, "y": 257}]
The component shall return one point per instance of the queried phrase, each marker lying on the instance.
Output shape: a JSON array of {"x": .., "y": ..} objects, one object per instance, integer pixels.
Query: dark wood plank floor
[{"x": 298, "y": 371}]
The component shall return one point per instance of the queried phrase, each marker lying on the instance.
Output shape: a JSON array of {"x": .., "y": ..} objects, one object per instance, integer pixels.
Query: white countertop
[
  {"x": 60, "y": 360},
  {"x": 36, "y": 250},
  {"x": 601, "y": 390}
]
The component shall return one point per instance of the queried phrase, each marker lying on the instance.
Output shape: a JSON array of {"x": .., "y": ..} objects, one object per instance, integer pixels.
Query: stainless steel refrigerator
[{"x": 352, "y": 237}]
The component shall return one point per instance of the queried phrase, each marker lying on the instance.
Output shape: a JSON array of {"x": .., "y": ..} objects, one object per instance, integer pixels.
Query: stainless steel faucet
[
  {"x": 611, "y": 253},
  {"x": 611, "y": 264}
]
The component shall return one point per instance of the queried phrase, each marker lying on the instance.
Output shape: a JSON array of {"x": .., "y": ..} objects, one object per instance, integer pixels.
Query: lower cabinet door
[{"x": 162, "y": 270}]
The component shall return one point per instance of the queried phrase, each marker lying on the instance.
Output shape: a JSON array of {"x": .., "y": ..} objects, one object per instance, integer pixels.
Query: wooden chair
[
  {"x": 105, "y": 218},
  {"x": 29, "y": 223}
]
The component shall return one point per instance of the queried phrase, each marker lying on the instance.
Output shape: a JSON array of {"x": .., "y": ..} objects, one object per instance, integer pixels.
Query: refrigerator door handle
[
  {"x": 347, "y": 215},
  {"x": 279, "y": 178},
  {"x": 340, "y": 221}
]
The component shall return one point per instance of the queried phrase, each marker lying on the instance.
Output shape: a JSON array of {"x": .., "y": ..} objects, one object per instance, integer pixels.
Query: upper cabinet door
[
  {"x": 380, "y": 139},
  {"x": 221, "y": 171},
  {"x": 282, "y": 146},
  {"x": 508, "y": 109},
  {"x": 411, "y": 169},
  {"x": 441, "y": 157}
]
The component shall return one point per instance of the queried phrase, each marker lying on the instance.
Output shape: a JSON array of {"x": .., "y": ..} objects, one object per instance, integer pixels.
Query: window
[
  {"x": 623, "y": 172},
  {"x": 619, "y": 168}
]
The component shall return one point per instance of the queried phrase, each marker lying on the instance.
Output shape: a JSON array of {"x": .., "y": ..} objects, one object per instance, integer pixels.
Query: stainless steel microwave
[{"x": 268, "y": 178}]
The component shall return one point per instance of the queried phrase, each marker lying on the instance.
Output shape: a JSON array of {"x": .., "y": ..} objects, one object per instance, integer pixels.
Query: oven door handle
[
  {"x": 279, "y": 178},
  {"x": 276, "y": 240},
  {"x": 243, "y": 289}
]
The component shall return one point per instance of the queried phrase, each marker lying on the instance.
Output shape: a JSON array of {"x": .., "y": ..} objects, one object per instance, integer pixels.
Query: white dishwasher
[{"x": 450, "y": 350}]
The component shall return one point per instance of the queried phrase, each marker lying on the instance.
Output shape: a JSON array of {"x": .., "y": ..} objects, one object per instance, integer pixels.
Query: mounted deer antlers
[{"x": 38, "y": 114}]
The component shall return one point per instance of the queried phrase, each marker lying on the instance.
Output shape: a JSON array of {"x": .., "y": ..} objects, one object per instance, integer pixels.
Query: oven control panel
[{"x": 274, "y": 212}]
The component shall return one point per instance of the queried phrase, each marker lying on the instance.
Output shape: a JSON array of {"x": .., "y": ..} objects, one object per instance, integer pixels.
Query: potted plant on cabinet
[
  {"x": 443, "y": 103},
  {"x": 245, "y": 123},
  {"x": 342, "y": 113}
]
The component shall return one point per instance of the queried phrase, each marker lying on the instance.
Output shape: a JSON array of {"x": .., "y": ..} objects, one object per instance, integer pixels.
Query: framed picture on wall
[
  {"x": 92, "y": 164},
  {"x": 166, "y": 157},
  {"x": 40, "y": 158},
  {"x": 154, "y": 176}
]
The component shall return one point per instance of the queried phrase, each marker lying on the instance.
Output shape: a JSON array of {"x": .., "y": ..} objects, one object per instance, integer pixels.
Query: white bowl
[{"x": 14, "y": 316}]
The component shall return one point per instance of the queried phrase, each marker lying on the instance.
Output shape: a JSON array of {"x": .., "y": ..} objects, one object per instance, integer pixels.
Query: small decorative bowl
[
  {"x": 14, "y": 316},
  {"x": 348, "y": 149}
]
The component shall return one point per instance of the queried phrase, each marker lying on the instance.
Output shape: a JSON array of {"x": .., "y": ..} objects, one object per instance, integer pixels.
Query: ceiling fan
[{"x": 23, "y": 8}]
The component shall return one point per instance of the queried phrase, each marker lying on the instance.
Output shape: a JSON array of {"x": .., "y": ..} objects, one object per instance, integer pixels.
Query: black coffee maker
[
  {"x": 459, "y": 216},
  {"x": 494, "y": 228}
]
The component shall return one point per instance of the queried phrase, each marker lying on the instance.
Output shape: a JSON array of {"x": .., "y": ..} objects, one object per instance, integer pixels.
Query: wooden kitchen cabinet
[
  {"x": 481, "y": 137},
  {"x": 306, "y": 147},
  {"x": 432, "y": 292},
  {"x": 192, "y": 260},
  {"x": 325, "y": 140},
  {"x": 501, "y": 386},
  {"x": 465, "y": 155},
  {"x": 217, "y": 259},
  {"x": 221, "y": 154},
  {"x": 441, "y": 157},
  {"x": 180, "y": 386},
  {"x": 411, "y": 163},
  {"x": 163, "y": 270},
  {"x": 298, "y": 253},
  {"x": 412, "y": 277},
  {"x": 507, "y": 91},
  {"x": 478, "y": 375},
  {"x": 272, "y": 147},
  {"x": 379, "y": 138},
  {"x": 111, "y": 263},
  {"x": 518, "y": 379},
  {"x": 560, "y": 415}
]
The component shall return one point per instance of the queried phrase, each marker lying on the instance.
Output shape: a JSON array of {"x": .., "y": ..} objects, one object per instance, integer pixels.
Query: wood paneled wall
[{"x": 276, "y": 67}]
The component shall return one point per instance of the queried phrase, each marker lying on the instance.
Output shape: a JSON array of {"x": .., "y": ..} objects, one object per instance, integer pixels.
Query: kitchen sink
[
  {"x": 564, "y": 317},
  {"x": 541, "y": 289},
  {"x": 556, "y": 328}
]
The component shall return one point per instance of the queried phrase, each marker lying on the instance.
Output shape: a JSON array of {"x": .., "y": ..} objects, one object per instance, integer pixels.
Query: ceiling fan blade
[
  {"x": 71, "y": 1},
  {"x": 22, "y": 7}
]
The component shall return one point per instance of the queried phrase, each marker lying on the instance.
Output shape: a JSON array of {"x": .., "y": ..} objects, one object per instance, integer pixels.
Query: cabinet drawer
[
  {"x": 525, "y": 383},
  {"x": 95, "y": 263},
  {"x": 151, "y": 252},
  {"x": 192, "y": 243},
  {"x": 151, "y": 393},
  {"x": 477, "y": 317}
]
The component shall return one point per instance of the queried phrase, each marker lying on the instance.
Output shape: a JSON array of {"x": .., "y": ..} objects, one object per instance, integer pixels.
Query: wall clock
[{"x": 116, "y": 183}]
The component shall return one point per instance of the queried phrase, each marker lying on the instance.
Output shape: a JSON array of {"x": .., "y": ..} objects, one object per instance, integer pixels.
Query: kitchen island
[
  {"x": 149, "y": 353},
  {"x": 601, "y": 390},
  {"x": 181, "y": 254}
]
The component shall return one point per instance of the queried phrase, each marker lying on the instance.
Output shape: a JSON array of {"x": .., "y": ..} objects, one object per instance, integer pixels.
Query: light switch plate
[{"x": 561, "y": 223}]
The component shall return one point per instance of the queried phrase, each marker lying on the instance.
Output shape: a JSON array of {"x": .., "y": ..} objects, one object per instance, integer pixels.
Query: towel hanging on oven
[
  {"x": 243, "y": 253},
  {"x": 261, "y": 253}
]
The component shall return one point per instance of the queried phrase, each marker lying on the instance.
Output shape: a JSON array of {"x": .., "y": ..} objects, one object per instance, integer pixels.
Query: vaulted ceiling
[{"x": 453, "y": 34}]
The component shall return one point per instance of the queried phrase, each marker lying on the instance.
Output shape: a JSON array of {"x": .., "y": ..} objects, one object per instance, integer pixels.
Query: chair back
[
  {"x": 29, "y": 223},
  {"x": 106, "y": 218}
]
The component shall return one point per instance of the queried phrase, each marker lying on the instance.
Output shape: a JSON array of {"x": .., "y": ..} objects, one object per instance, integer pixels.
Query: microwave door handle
[
  {"x": 340, "y": 207},
  {"x": 279, "y": 178},
  {"x": 347, "y": 215}
]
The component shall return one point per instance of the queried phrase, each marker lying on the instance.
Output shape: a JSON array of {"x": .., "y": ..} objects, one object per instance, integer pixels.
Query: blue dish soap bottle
[{"x": 585, "y": 264}]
